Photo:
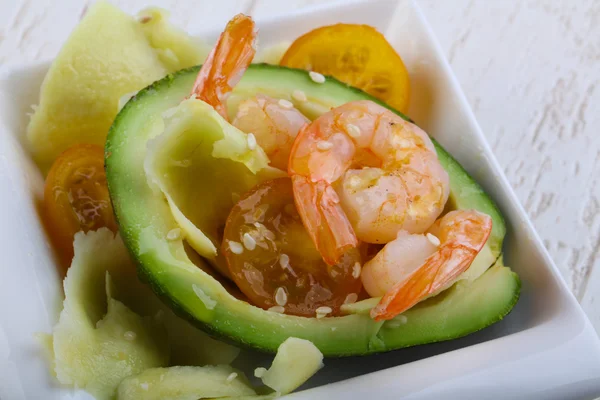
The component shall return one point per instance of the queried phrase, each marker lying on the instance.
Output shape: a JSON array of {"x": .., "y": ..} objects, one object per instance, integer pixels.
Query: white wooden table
[{"x": 530, "y": 69}]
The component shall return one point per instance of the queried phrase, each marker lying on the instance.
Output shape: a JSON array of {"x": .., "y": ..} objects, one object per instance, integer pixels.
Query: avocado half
[{"x": 144, "y": 221}]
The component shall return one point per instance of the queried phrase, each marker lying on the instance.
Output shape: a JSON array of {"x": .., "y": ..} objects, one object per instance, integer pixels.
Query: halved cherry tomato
[
  {"x": 76, "y": 196},
  {"x": 357, "y": 55},
  {"x": 273, "y": 260}
]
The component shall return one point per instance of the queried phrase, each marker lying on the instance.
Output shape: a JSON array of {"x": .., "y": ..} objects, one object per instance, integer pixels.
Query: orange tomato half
[
  {"x": 356, "y": 54},
  {"x": 273, "y": 260},
  {"x": 76, "y": 196}
]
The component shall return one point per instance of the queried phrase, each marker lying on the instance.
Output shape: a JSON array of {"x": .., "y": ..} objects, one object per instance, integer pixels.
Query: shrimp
[
  {"x": 226, "y": 63},
  {"x": 274, "y": 123},
  {"x": 361, "y": 172},
  {"x": 414, "y": 267}
]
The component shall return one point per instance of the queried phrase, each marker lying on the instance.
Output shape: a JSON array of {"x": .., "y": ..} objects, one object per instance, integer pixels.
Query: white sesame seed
[
  {"x": 285, "y": 104},
  {"x": 259, "y": 372},
  {"x": 280, "y": 296},
  {"x": 351, "y": 298},
  {"x": 248, "y": 241},
  {"x": 354, "y": 181},
  {"x": 159, "y": 316},
  {"x": 235, "y": 247},
  {"x": 405, "y": 143},
  {"x": 356, "y": 270},
  {"x": 299, "y": 95},
  {"x": 174, "y": 234},
  {"x": 231, "y": 376},
  {"x": 316, "y": 77},
  {"x": 433, "y": 239},
  {"x": 324, "y": 145},
  {"x": 144, "y": 386},
  {"x": 129, "y": 335},
  {"x": 264, "y": 231},
  {"x": 277, "y": 309},
  {"x": 353, "y": 130},
  {"x": 260, "y": 212},
  {"x": 397, "y": 321},
  {"x": 251, "y": 141},
  {"x": 284, "y": 261},
  {"x": 323, "y": 311}
]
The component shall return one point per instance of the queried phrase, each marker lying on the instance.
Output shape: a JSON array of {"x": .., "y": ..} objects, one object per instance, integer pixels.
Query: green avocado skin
[{"x": 144, "y": 220}]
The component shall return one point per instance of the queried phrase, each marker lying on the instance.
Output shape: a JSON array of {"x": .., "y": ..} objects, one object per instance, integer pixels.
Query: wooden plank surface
[{"x": 530, "y": 70}]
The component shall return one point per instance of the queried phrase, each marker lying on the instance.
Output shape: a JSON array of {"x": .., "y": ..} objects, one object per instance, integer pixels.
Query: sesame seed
[
  {"x": 251, "y": 141},
  {"x": 299, "y": 95},
  {"x": 129, "y": 335},
  {"x": 235, "y": 197},
  {"x": 353, "y": 130},
  {"x": 235, "y": 247},
  {"x": 285, "y": 104},
  {"x": 433, "y": 239},
  {"x": 356, "y": 270},
  {"x": 174, "y": 234},
  {"x": 277, "y": 309},
  {"x": 284, "y": 261},
  {"x": 323, "y": 311},
  {"x": 316, "y": 77},
  {"x": 144, "y": 386},
  {"x": 260, "y": 212},
  {"x": 145, "y": 19},
  {"x": 248, "y": 241},
  {"x": 159, "y": 316},
  {"x": 259, "y": 372},
  {"x": 231, "y": 376},
  {"x": 402, "y": 319},
  {"x": 264, "y": 231},
  {"x": 324, "y": 145},
  {"x": 351, "y": 298},
  {"x": 280, "y": 296},
  {"x": 354, "y": 181}
]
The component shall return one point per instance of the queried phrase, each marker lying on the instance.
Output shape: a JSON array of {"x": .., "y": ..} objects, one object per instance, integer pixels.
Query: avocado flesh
[{"x": 145, "y": 219}]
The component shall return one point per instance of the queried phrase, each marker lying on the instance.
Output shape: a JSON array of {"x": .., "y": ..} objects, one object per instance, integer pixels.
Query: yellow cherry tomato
[
  {"x": 76, "y": 196},
  {"x": 274, "y": 262},
  {"x": 357, "y": 55}
]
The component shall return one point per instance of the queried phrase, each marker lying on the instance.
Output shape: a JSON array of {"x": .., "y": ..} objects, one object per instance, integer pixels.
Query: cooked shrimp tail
[
  {"x": 361, "y": 172},
  {"x": 226, "y": 63},
  {"x": 324, "y": 218},
  {"x": 462, "y": 235}
]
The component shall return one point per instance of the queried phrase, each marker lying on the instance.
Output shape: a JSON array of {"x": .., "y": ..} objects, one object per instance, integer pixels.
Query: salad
[{"x": 201, "y": 202}]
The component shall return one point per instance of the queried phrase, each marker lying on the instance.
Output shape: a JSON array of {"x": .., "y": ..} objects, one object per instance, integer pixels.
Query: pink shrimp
[
  {"x": 226, "y": 63},
  {"x": 404, "y": 281},
  {"x": 361, "y": 172},
  {"x": 274, "y": 123}
]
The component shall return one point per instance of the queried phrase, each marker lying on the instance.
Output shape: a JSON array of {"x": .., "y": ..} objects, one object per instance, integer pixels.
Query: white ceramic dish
[{"x": 544, "y": 349}]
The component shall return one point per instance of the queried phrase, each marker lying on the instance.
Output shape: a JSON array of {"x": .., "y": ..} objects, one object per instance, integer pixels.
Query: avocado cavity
[{"x": 200, "y": 163}]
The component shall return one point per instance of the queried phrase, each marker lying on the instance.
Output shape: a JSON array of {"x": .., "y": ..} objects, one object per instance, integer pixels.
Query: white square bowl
[{"x": 545, "y": 348}]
